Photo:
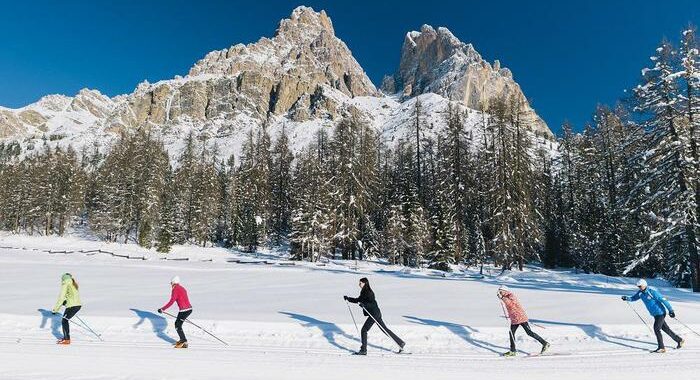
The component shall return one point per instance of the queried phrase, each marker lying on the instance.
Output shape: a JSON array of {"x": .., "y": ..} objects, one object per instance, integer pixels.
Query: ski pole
[
  {"x": 537, "y": 325},
  {"x": 686, "y": 326},
  {"x": 353, "y": 317},
  {"x": 640, "y": 317},
  {"x": 82, "y": 330},
  {"x": 380, "y": 327},
  {"x": 197, "y": 326},
  {"x": 90, "y": 329}
]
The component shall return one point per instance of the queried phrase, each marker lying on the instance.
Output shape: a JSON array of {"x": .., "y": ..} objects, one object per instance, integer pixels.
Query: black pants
[
  {"x": 528, "y": 331},
  {"x": 660, "y": 324},
  {"x": 368, "y": 325},
  {"x": 181, "y": 316},
  {"x": 68, "y": 314}
]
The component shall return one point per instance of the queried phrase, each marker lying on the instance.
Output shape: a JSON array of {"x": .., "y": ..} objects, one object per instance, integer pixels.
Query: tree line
[{"x": 619, "y": 198}]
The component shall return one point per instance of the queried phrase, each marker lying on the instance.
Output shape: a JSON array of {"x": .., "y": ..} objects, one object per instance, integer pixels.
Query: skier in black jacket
[{"x": 372, "y": 312}]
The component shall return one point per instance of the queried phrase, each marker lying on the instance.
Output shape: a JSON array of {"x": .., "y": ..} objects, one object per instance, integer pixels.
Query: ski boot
[
  {"x": 401, "y": 348},
  {"x": 360, "y": 353},
  {"x": 659, "y": 351},
  {"x": 680, "y": 344},
  {"x": 181, "y": 344},
  {"x": 510, "y": 354},
  {"x": 63, "y": 342},
  {"x": 545, "y": 347}
]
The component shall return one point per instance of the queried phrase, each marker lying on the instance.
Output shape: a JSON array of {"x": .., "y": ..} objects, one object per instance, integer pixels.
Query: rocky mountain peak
[
  {"x": 306, "y": 19},
  {"x": 304, "y": 47},
  {"x": 434, "y": 60}
]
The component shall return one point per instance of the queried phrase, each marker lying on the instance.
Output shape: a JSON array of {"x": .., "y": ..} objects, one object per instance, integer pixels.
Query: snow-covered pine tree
[
  {"x": 610, "y": 140},
  {"x": 183, "y": 190},
  {"x": 150, "y": 182},
  {"x": 515, "y": 224},
  {"x": 454, "y": 182},
  {"x": 417, "y": 142},
  {"x": 205, "y": 199},
  {"x": 129, "y": 185},
  {"x": 231, "y": 205},
  {"x": 690, "y": 100},
  {"x": 411, "y": 216},
  {"x": 166, "y": 221},
  {"x": 548, "y": 201},
  {"x": 70, "y": 181},
  {"x": 254, "y": 190},
  {"x": 281, "y": 188},
  {"x": 310, "y": 234},
  {"x": 441, "y": 253},
  {"x": 670, "y": 173},
  {"x": 353, "y": 171}
]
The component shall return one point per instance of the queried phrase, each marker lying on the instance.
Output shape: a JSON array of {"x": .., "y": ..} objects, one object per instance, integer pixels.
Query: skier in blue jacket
[{"x": 656, "y": 305}]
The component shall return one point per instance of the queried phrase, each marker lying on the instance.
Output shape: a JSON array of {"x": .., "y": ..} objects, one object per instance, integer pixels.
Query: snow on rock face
[
  {"x": 436, "y": 61},
  {"x": 301, "y": 80}
]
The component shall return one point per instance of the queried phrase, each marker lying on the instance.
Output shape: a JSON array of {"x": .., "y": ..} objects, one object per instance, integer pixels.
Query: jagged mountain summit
[
  {"x": 434, "y": 60},
  {"x": 301, "y": 79}
]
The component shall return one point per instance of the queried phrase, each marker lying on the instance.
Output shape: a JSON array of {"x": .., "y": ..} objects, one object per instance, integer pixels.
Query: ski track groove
[{"x": 329, "y": 352}]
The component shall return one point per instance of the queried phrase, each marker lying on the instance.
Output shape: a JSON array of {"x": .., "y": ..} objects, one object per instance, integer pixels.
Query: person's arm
[
  {"x": 635, "y": 297},
  {"x": 362, "y": 299},
  {"x": 173, "y": 297},
  {"x": 664, "y": 301},
  {"x": 61, "y": 296}
]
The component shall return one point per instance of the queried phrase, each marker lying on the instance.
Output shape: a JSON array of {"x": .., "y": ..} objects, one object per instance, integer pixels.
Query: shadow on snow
[
  {"x": 56, "y": 328},
  {"x": 158, "y": 323},
  {"x": 330, "y": 331},
  {"x": 463, "y": 331}
]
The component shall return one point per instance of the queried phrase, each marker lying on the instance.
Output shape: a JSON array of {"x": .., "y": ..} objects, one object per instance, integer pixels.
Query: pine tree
[
  {"x": 690, "y": 102},
  {"x": 669, "y": 174},
  {"x": 515, "y": 224},
  {"x": 310, "y": 234},
  {"x": 281, "y": 188},
  {"x": 166, "y": 226},
  {"x": 354, "y": 174}
]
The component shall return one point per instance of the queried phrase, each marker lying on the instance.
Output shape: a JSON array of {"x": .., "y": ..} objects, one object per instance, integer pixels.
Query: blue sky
[{"x": 567, "y": 57}]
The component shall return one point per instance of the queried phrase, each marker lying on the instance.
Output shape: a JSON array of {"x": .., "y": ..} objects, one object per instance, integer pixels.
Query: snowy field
[{"x": 286, "y": 321}]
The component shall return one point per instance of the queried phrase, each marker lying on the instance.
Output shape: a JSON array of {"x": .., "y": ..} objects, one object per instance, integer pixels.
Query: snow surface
[{"x": 286, "y": 321}]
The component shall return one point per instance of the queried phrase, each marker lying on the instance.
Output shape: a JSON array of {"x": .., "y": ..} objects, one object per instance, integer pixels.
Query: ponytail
[{"x": 75, "y": 283}]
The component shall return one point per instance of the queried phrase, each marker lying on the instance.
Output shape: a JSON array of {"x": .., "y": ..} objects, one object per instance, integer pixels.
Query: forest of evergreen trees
[{"x": 622, "y": 197}]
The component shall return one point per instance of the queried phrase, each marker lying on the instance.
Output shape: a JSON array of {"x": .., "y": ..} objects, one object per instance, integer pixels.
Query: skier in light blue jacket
[{"x": 657, "y": 305}]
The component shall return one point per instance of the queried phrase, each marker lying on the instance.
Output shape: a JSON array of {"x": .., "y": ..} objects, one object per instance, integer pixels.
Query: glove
[
  {"x": 624, "y": 298},
  {"x": 672, "y": 314},
  {"x": 345, "y": 298},
  {"x": 160, "y": 311},
  {"x": 54, "y": 313}
]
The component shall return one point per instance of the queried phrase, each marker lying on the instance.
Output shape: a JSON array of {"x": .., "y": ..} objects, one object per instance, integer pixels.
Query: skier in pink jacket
[
  {"x": 518, "y": 318},
  {"x": 179, "y": 296}
]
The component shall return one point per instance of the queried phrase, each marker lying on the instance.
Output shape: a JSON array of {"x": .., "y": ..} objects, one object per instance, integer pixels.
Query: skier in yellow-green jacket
[{"x": 70, "y": 298}]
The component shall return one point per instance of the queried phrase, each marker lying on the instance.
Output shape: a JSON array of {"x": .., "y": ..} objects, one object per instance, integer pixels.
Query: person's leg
[
  {"x": 528, "y": 331},
  {"x": 365, "y": 328},
  {"x": 670, "y": 332},
  {"x": 66, "y": 328},
  {"x": 68, "y": 314},
  {"x": 391, "y": 334},
  {"x": 658, "y": 323},
  {"x": 513, "y": 328},
  {"x": 181, "y": 316}
]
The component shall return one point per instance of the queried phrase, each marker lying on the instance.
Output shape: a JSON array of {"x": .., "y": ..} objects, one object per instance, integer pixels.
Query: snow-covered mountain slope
[
  {"x": 302, "y": 79},
  {"x": 291, "y": 322}
]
